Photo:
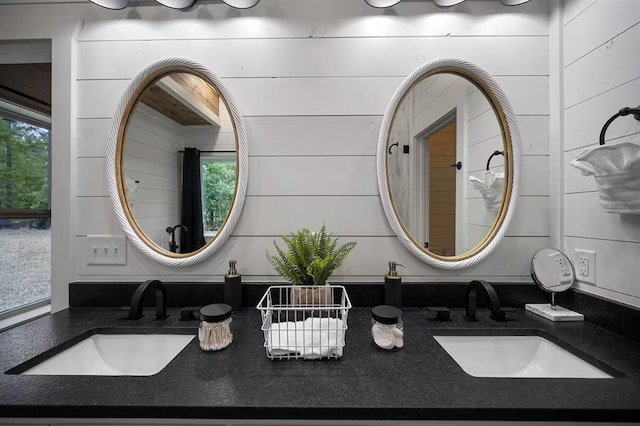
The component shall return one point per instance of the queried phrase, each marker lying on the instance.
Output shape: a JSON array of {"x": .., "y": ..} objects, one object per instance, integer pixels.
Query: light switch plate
[{"x": 106, "y": 250}]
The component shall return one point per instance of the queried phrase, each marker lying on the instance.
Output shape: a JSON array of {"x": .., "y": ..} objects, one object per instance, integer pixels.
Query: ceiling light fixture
[
  {"x": 382, "y": 3},
  {"x": 177, "y": 4},
  {"x": 241, "y": 4},
  {"x": 446, "y": 3},
  {"x": 111, "y": 4},
  {"x": 513, "y": 2}
]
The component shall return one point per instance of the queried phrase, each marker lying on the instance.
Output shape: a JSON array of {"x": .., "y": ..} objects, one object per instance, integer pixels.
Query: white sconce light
[
  {"x": 446, "y": 3},
  {"x": 440, "y": 3},
  {"x": 177, "y": 4},
  {"x": 382, "y": 3},
  {"x": 111, "y": 4},
  {"x": 241, "y": 4}
]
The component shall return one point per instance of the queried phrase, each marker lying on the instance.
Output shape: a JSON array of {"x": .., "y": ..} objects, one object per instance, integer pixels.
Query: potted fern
[{"x": 309, "y": 259}]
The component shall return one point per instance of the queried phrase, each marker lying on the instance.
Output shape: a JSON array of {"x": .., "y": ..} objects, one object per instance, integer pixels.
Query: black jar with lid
[
  {"x": 387, "y": 330},
  {"x": 214, "y": 331}
]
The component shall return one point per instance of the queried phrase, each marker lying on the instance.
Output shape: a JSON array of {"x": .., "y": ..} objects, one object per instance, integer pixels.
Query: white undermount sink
[
  {"x": 115, "y": 355},
  {"x": 516, "y": 356}
]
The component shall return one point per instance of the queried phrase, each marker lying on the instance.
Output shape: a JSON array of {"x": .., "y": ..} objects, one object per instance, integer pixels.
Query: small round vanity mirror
[
  {"x": 177, "y": 162},
  {"x": 552, "y": 271},
  {"x": 448, "y": 163}
]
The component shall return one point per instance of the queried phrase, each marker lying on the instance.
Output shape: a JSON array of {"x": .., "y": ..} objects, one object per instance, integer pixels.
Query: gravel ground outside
[{"x": 25, "y": 266}]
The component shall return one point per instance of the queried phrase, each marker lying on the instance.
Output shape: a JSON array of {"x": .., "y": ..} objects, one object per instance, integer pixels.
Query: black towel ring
[
  {"x": 392, "y": 145},
  {"x": 493, "y": 155},
  {"x": 624, "y": 111}
]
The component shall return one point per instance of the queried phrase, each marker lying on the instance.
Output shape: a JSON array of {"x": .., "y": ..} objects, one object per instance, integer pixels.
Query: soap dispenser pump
[
  {"x": 392, "y": 285},
  {"x": 233, "y": 288}
]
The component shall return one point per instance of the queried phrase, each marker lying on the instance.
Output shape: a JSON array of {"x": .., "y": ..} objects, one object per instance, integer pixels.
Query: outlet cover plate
[{"x": 585, "y": 266}]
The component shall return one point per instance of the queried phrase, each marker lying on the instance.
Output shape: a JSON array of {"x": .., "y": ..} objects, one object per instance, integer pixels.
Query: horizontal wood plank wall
[
  {"x": 312, "y": 79},
  {"x": 602, "y": 75},
  {"x": 152, "y": 161}
]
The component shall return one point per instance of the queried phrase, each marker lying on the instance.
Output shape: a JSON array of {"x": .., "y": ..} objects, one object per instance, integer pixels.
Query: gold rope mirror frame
[
  {"x": 115, "y": 157},
  {"x": 510, "y": 136}
]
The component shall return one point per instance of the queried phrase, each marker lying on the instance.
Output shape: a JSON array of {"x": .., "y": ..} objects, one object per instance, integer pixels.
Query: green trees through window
[
  {"x": 25, "y": 235},
  {"x": 24, "y": 165},
  {"x": 218, "y": 187}
]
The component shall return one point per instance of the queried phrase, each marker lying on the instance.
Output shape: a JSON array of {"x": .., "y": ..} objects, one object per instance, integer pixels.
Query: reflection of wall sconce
[
  {"x": 493, "y": 155},
  {"x": 174, "y": 4},
  {"x": 441, "y": 3}
]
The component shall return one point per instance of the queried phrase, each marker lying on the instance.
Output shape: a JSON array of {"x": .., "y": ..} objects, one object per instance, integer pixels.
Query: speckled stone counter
[{"x": 419, "y": 382}]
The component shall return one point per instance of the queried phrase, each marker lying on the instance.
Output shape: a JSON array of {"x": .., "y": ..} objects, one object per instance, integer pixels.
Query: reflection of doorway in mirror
[
  {"x": 439, "y": 102},
  {"x": 441, "y": 205}
]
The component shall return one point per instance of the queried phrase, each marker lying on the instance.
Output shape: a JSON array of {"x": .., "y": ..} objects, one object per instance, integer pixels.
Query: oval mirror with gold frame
[
  {"x": 448, "y": 163},
  {"x": 177, "y": 155}
]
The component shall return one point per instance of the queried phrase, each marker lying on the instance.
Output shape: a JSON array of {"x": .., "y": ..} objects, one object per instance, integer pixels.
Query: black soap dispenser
[
  {"x": 392, "y": 285},
  {"x": 233, "y": 288}
]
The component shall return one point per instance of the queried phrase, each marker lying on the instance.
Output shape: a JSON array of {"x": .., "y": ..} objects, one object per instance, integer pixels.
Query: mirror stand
[{"x": 553, "y": 272}]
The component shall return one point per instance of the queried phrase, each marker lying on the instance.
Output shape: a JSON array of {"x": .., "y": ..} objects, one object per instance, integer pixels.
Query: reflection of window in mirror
[{"x": 218, "y": 187}]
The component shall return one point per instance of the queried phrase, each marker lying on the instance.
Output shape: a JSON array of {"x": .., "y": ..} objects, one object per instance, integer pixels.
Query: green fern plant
[{"x": 309, "y": 258}]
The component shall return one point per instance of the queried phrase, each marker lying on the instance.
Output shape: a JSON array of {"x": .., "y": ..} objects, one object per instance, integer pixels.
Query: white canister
[{"x": 387, "y": 330}]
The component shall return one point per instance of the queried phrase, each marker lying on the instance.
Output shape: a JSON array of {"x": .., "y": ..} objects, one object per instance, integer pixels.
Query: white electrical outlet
[
  {"x": 585, "y": 264},
  {"x": 106, "y": 250}
]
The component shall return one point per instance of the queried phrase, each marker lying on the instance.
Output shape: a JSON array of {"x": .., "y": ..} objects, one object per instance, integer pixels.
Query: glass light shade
[
  {"x": 513, "y": 2},
  {"x": 111, "y": 4},
  {"x": 241, "y": 4},
  {"x": 177, "y": 4},
  {"x": 446, "y": 3},
  {"x": 382, "y": 3}
]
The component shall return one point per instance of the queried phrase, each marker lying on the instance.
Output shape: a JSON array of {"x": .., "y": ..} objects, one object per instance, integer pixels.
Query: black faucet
[
  {"x": 171, "y": 230},
  {"x": 471, "y": 300},
  {"x": 135, "y": 311}
]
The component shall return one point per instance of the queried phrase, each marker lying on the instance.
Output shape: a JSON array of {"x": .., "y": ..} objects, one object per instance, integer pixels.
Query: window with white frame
[{"x": 25, "y": 209}]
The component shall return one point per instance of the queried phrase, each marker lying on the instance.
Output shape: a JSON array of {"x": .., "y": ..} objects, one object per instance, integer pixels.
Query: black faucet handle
[
  {"x": 135, "y": 311},
  {"x": 442, "y": 313},
  {"x": 188, "y": 313},
  {"x": 501, "y": 315},
  {"x": 470, "y": 317}
]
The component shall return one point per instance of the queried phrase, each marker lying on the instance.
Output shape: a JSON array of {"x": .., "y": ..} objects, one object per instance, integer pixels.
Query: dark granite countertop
[{"x": 419, "y": 382}]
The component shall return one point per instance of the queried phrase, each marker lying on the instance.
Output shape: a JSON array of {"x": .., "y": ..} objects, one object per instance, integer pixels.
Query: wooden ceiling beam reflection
[{"x": 184, "y": 98}]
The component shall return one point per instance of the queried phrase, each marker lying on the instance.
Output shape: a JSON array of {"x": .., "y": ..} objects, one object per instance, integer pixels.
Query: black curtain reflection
[{"x": 193, "y": 239}]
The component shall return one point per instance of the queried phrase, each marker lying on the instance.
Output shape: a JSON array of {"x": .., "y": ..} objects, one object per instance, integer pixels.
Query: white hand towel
[
  {"x": 490, "y": 184},
  {"x": 616, "y": 169},
  {"x": 312, "y": 338}
]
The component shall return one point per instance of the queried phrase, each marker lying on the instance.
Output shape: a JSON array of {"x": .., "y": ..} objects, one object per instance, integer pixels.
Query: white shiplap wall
[
  {"x": 152, "y": 159},
  {"x": 312, "y": 79},
  {"x": 601, "y": 75}
]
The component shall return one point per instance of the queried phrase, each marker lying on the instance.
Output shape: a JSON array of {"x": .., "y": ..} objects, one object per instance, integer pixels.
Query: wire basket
[{"x": 306, "y": 322}]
